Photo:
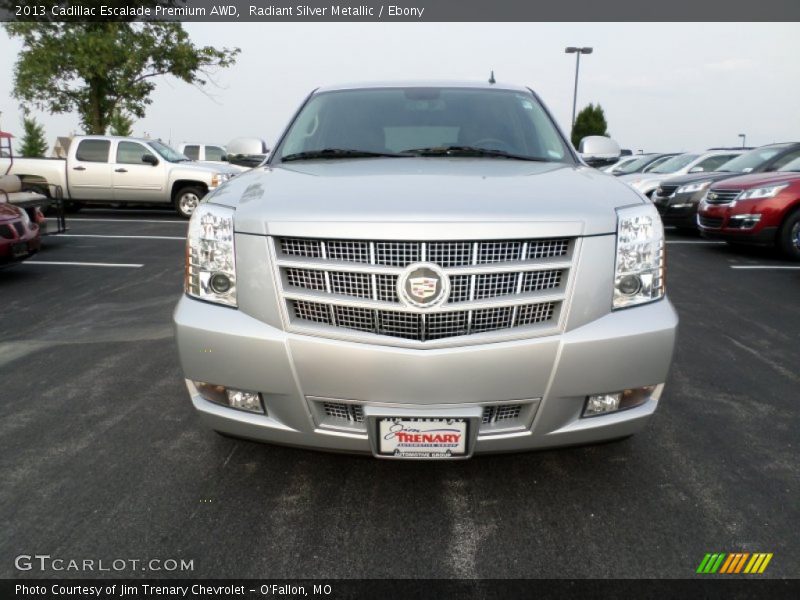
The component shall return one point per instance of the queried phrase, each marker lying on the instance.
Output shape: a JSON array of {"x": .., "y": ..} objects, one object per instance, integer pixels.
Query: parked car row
[{"x": 753, "y": 198}]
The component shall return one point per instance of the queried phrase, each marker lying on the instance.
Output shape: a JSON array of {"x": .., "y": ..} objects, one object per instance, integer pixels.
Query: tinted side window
[
  {"x": 192, "y": 152},
  {"x": 130, "y": 153},
  {"x": 213, "y": 153},
  {"x": 93, "y": 151},
  {"x": 785, "y": 159}
]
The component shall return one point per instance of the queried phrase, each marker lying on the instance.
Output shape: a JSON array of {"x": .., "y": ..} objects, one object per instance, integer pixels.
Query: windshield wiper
[
  {"x": 336, "y": 153},
  {"x": 470, "y": 151}
]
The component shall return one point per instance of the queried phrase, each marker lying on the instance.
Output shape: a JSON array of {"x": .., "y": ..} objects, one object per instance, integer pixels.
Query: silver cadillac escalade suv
[{"x": 425, "y": 271}]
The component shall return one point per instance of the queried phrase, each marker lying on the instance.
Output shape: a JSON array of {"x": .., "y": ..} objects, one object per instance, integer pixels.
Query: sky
[{"x": 663, "y": 86}]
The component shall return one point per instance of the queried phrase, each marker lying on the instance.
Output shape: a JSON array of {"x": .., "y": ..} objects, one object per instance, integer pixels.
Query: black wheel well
[{"x": 184, "y": 183}]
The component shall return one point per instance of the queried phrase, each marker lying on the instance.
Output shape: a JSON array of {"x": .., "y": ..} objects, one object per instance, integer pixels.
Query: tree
[
  {"x": 590, "y": 121},
  {"x": 102, "y": 67},
  {"x": 119, "y": 124},
  {"x": 33, "y": 143}
]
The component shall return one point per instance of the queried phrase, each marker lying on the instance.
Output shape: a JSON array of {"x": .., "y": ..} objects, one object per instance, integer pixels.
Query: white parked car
[
  {"x": 208, "y": 154},
  {"x": 690, "y": 162}
]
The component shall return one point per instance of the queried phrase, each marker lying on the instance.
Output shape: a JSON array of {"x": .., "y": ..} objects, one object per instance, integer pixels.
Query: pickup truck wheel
[
  {"x": 187, "y": 199},
  {"x": 789, "y": 236}
]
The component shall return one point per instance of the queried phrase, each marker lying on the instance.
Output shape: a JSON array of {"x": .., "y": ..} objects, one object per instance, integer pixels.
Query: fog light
[
  {"x": 240, "y": 399},
  {"x": 600, "y": 404},
  {"x": 250, "y": 401}
]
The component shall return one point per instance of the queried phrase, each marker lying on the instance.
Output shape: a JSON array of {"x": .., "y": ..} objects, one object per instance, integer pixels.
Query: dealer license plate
[
  {"x": 19, "y": 250},
  {"x": 422, "y": 437}
]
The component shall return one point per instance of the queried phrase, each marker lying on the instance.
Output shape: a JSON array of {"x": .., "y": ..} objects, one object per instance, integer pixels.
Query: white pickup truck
[{"x": 103, "y": 169}]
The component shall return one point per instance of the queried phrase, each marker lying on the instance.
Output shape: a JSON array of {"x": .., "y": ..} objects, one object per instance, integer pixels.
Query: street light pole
[
  {"x": 744, "y": 137},
  {"x": 577, "y": 51}
]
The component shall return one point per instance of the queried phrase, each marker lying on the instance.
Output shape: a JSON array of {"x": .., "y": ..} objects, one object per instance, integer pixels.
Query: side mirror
[
  {"x": 224, "y": 158},
  {"x": 599, "y": 151},
  {"x": 696, "y": 170},
  {"x": 149, "y": 159}
]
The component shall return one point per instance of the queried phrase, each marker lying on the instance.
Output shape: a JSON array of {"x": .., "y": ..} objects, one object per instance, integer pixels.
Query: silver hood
[{"x": 357, "y": 195}]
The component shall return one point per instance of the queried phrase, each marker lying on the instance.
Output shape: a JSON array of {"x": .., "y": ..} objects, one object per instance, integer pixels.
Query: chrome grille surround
[
  {"x": 498, "y": 288},
  {"x": 722, "y": 196}
]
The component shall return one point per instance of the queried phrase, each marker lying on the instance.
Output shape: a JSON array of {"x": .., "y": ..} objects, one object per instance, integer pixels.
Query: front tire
[
  {"x": 187, "y": 199},
  {"x": 789, "y": 236}
]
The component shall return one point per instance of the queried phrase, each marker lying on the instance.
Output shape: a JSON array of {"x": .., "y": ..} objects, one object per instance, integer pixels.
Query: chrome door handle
[
  {"x": 78, "y": 168},
  {"x": 120, "y": 170}
]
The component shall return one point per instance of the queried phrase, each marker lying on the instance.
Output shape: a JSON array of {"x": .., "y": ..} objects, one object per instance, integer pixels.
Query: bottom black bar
[{"x": 398, "y": 589}]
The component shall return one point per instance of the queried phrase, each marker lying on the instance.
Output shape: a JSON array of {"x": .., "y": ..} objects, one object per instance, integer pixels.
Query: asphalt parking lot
[{"x": 102, "y": 455}]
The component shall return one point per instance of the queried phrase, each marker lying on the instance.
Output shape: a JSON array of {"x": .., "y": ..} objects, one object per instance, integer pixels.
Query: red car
[
  {"x": 762, "y": 209},
  {"x": 19, "y": 236}
]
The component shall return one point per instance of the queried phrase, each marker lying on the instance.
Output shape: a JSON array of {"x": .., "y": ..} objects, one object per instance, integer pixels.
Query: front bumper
[
  {"x": 678, "y": 210},
  {"x": 548, "y": 377},
  {"x": 716, "y": 222},
  {"x": 10, "y": 254}
]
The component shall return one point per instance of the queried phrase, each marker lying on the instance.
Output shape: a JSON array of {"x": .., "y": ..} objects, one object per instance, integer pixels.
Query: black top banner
[{"x": 234, "y": 11}]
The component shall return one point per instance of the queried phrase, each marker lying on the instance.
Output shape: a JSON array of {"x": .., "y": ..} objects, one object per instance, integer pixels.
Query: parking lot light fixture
[
  {"x": 577, "y": 51},
  {"x": 744, "y": 137}
]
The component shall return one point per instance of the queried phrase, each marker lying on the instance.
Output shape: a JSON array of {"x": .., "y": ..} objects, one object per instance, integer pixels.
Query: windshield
[
  {"x": 635, "y": 165},
  {"x": 748, "y": 161},
  {"x": 791, "y": 166},
  {"x": 400, "y": 121},
  {"x": 656, "y": 162},
  {"x": 166, "y": 152},
  {"x": 675, "y": 163}
]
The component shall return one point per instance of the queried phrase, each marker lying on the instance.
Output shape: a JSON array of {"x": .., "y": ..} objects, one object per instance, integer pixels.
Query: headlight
[
  {"x": 763, "y": 192},
  {"x": 217, "y": 179},
  {"x": 210, "y": 256},
  {"x": 639, "y": 274},
  {"x": 693, "y": 187}
]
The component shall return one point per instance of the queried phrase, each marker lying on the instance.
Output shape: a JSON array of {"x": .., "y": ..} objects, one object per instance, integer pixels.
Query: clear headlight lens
[
  {"x": 639, "y": 276},
  {"x": 762, "y": 192},
  {"x": 219, "y": 178},
  {"x": 693, "y": 187},
  {"x": 210, "y": 255},
  {"x": 26, "y": 220}
]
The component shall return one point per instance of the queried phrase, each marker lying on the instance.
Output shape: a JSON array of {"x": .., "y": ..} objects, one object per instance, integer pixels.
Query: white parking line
[
  {"x": 753, "y": 267},
  {"x": 692, "y": 242},
  {"x": 184, "y": 221},
  {"x": 82, "y": 264},
  {"x": 122, "y": 237}
]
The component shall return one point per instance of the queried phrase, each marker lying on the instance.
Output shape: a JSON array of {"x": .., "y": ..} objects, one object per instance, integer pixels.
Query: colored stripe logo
[{"x": 734, "y": 563}]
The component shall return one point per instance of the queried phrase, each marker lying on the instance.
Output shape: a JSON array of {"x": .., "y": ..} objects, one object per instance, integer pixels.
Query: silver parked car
[
  {"x": 647, "y": 182},
  {"x": 426, "y": 271}
]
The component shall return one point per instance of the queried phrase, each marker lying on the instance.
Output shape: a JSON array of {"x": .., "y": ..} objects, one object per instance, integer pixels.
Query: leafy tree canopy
[
  {"x": 33, "y": 143},
  {"x": 590, "y": 121},
  {"x": 98, "y": 68}
]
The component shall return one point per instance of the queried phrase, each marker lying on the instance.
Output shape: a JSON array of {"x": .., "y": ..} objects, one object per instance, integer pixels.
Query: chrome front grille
[
  {"x": 418, "y": 326},
  {"x": 495, "y": 285},
  {"x": 444, "y": 254},
  {"x": 722, "y": 196},
  {"x": 665, "y": 189}
]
